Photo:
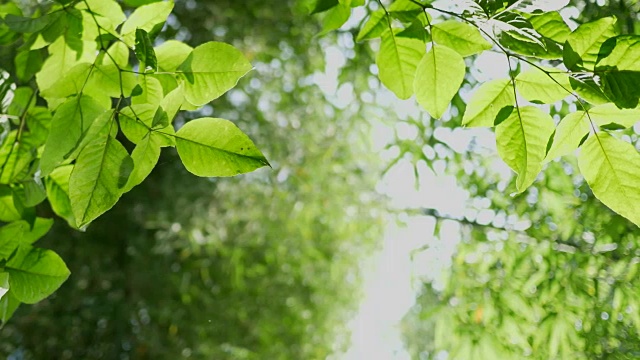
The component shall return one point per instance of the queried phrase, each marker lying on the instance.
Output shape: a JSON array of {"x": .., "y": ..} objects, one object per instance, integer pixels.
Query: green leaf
[
  {"x": 144, "y": 51},
  {"x": 151, "y": 91},
  {"x": 619, "y": 70},
  {"x": 28, "y": 63},
  {"x": 374, "y": 27},
  {"x": 34, "y": 192},
  {"x": 61, "y": 59},
  {"x": 35, "y": 274},
  {"x": 11, "y": 237},
  {"x": 611, "y": 167},
  {"x": 57, "y": 185},
  {"x": 522, "y": 142},
  {"x": 37, "y": 230},
  {"x": 549, "y": 50},
  {"x": 621, "y": 53},
  {"x": 438, "y": 78},
  {"x": 585, "y": 86},
  {"x": 487, "y": 101},
  {"x": 23, "y": 100},
  {"x": 550, "y": 25},
  {"x": 68, "y": 125},
  {"x": 319, "y": 6},
  {"x": 569, "y": 134},
  {"x": 407, "y": 11},
  {"x": 8, "y": 209},
  {"x": 145, "y": 157},
  {"x": 606, "y": 114},
  {"x": 15, "y": 156},
  {"x": 106, "y": 12},
  {"x": 147, "y": 17},
  {"x": 136, "y": 121},
  {"x": 621, "y": 87},
  {"x": 335, "y": 17},
  {"x": 211, "y": 70},
  {"x": 216, "y": 147},
  {"x": 397, "y": 61},
  {"x": 8, "y": 305},
  {"x": 160, "y": 119},
  {"x": 171, "y": 54},
  {"x": 23, "y": 24},
  {"x": 461, "y": 37},
  {"x": 99, "y": 176},
  {"x": 536, "y": 85},
  {"x": 583, "y": 45},
  {"x": 516, "y": 26}
]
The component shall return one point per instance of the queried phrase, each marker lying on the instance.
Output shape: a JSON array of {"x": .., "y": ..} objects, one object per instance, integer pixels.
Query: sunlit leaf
[
  {"x": 521, "y": 140},
  {"x": 583, "y": 45},
  {"x": 438, "y": 78},
  {"x": 99, "y": 176},
  {"x": 211, "y": 70},
  {"x": 35, "y": 274},
  {"x": 397, "y": 61},
  {"x": 611, "y": 167},
  {"x": 545, "y": 87},
  {"x": 487, "y": 101},
  {"x": 461, "y": 37},
  {"x": 216, "y": 147}
]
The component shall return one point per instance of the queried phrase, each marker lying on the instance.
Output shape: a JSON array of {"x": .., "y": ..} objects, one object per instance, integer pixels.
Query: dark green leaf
[{"x": 144, "y": 51}]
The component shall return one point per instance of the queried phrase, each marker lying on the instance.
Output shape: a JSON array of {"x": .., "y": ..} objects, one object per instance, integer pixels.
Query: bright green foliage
[
  {"x": 602, "y": 69},
  {"x": 583, "y": 45},
  {"x": 543, "y": 85},
  {"x": 487, "y": 102},
  {"x": 570, "y": 133},
  {"x": 461, "y": 37},
  {"x": 70, "y": 152},
  {"x": 438, "y": 78},
  {"x": 612, "y": 168},
  {"x": 216, "y": 147},
  {"x": 522, "y": 140},
  {"x": 397, "y": 62}
]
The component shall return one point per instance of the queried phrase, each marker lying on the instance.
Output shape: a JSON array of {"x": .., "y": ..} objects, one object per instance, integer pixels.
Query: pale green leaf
[
  {"x": 583, "y": 45},
  {"x": 216, "y": 147},
  {"x": 146, "y": 17},
  {"x": 171, "y": 54},
  {"x": 551, "y": 25},
  {"x": 570, "y": 132},
  {"x": 459, "y": 36},
  {"x": 397, "y": 61},
  {"x": 145, "y": 157},
  {"x": 538, "y": 86},
  {"x": 487, "y": 101},
  {"x": 10, "y": 237},
  {"x": 620, "y": 53},
  {"x": 68, "y": 125},
  {"x": 607, "y": 114},
  {"x": 335, "y": 17},
  {"x": 61, "y": 59},
  {"x": 35, "y": 274},
  {"x": 377, "y": 23},
  {"x": 211, "y": 70},
  {"x": 521, "y": 140},
  {"x": 152, "y": 92},
  {"x": 105, "y": 9},
  {"x": 438, "y": 78},
  {"x": 137, "y": 120},
  {"x": 99, "y": 176},
  {"x": 611, "y": 167},
  {"x": 57, "y": 185}
]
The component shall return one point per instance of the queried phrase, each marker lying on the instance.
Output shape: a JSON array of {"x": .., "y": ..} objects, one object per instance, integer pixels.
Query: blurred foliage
[
  {"x": 547, "y": 274},
  {"x": 263, "y": 266}
]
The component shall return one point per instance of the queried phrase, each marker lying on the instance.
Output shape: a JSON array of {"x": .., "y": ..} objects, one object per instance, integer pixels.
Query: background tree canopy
[{"x": 266, "y": 265}]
